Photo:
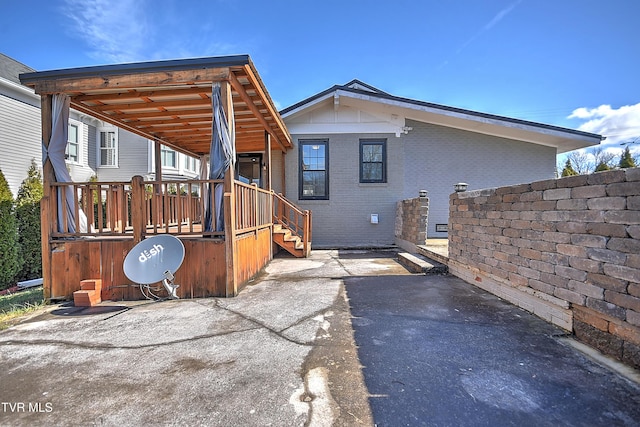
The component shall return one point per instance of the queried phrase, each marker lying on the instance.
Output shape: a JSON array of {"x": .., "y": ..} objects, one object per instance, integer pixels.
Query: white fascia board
[
  {"x": 19, "y": 92},
  {"x": 308, "y": 106},
  {"x": 341, "y": 128},
  {"x": 563, "y": 141}
]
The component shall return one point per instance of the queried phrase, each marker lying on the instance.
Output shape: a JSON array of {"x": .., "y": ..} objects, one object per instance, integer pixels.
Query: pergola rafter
[{"x": 170, "y": 101}]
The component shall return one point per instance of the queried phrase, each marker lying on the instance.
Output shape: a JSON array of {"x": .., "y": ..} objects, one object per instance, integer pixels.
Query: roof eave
[
  {"x": 580, "y": 139},
  {"x": 136, "y": 68}
]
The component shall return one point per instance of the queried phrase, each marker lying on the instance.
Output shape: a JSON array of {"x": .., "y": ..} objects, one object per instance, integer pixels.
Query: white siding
[
  {"x": 20, "y": 140},
  {"x": 133, "y": 154},
  {"x": 81, "y": 171}
]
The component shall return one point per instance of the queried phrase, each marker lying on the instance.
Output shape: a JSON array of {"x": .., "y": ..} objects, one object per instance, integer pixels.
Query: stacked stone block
[
  {"x": 412, "y": 220},
  {"x": 562, "y": 247}
]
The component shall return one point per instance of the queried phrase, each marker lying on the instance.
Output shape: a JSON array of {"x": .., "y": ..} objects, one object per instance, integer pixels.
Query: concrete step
[{"x": 421, "y": 265}]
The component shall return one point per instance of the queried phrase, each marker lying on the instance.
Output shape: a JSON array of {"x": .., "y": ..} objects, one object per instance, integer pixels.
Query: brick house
[{"x": 359, "y": 150}]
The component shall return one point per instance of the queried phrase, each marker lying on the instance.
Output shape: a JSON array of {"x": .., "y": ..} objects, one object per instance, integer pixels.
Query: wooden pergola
[{"x": 169, "y": 102}]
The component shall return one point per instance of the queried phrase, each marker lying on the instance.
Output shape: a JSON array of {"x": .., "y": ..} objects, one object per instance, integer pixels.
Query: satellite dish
[{"x": 153, "y": 260}]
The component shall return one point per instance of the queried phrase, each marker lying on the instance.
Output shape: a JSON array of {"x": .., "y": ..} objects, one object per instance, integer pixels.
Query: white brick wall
[
  {"x": 437, "y": 157},
  {"x": 429, "y": 157}
]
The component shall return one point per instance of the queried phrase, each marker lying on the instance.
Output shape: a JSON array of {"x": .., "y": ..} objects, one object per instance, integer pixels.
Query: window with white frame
[
  {"x": 72, "y": 151},
  {"x": 108, "y": 148},
  {"x": 168, "y": 157},
  {"x": 189, "y": 163}
]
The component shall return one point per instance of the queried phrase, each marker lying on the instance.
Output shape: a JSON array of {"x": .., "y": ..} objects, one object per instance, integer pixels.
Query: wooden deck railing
[
  {"x": 144, "y": 207},
  {"x": 252, "y": 207},
  {"x": 296, "y": 220}
]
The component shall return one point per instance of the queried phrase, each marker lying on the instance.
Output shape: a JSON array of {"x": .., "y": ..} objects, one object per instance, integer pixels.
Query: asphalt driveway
[
  {"x": 344, "y": 338},
  {"x": 437, "y": 351},
  {"x": 281, "y": 354}
]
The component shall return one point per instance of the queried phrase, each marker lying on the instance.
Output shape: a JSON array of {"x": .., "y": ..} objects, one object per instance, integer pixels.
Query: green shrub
[
  {"x": 626, "y": 160},
  {"x": 9, "y": 248},
  {"x": 568, "y": 169},
  {"x": 28, "y": 222}
]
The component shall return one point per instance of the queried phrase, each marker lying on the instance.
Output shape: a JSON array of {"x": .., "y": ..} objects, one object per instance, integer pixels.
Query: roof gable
[{"x": 357, "y": 94}]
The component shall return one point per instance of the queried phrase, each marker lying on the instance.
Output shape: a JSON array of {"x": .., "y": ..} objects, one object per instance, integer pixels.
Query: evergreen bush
[
  {"x": 568, "y": 169},
  {"x": 626, "y": 160},
  {"x": 9, "y": 248},
  {"x": 28, "y": 222}
]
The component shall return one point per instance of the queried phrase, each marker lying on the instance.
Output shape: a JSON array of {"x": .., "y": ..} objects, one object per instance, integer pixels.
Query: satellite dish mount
[{"x": 154, "y": 260}]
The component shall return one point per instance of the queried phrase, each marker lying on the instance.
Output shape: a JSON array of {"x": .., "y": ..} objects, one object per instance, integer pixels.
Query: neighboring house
[
  {"x": 19, "y": 124},
  {"x": 95, "y": 148},
  {"x": 359, "y": 150}
]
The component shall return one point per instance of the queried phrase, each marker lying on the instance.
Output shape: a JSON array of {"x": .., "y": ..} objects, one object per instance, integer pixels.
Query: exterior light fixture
[{"x": 461, "y": 186}]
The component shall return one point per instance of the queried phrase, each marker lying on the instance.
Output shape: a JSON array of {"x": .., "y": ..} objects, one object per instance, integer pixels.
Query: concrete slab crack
[{"x": 85, "y": 345}]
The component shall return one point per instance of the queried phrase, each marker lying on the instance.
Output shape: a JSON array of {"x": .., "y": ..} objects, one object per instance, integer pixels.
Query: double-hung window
[
  {"x": 108, "y": 148},
  {"x": 72, "y": 151},
  {"x": 314, "y": 170},
  {"x": 189, "y": 163},
  {"x": 168, "y": 157},
  {"x": 373, "y": 160}
]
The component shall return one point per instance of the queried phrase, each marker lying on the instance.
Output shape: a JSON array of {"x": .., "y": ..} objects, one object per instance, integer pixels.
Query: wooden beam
[
  {"x": 141, "y": 124},
  {"x": 243, "y": 94},
  {"x": 133, "y": 94},
  {"x": 123, "y": 125},
  {"x": 84, "y": 84},
  {"x": 257, "y": 83},
  {"x": 206, "y": 112},
  {"x": 133, "y": 106}
]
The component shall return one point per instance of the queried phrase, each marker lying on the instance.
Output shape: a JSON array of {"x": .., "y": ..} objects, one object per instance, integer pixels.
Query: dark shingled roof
[{"x": 10, "y": 69}]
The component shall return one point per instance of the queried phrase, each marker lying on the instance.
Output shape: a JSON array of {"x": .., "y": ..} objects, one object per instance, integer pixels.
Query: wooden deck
[{"x": 217, "y": 263}]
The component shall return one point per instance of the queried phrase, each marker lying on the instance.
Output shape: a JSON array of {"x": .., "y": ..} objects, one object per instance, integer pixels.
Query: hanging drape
[
  {"x": 221, "y": 156},
  {"x": 56, "y": 154},
  {"x": 204, "y": 190}
]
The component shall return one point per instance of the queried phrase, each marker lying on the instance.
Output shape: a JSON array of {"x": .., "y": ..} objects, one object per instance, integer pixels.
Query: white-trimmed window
[
  {"x": 168, "y": 157},
  {"x": 72, "y": 151},
  {"x": 108, "y": 155},
  {"x": 189, "y": 163}
]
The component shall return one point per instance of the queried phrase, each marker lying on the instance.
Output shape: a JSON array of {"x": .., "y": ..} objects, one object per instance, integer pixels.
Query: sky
[{"x": 570, "y": 63}]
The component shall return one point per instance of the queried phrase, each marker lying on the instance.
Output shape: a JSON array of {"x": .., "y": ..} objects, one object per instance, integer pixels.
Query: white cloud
[
  {"x": 116, "y": 31},
  {"x": 141, "y": 30},
  {"x": 617, "y": 124},
  {"x": 504, "y": 12}
]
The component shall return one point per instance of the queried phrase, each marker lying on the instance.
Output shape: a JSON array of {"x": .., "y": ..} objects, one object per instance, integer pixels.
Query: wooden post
[
  {"x": 267, "y": 161},
  {"x": 229, "y": 201},
  {"x": 48, "y": 177},
  {"x": 157, "y": 188},
  {"x": 284, "y": 180},
  {"x": 138, "y": 201}
]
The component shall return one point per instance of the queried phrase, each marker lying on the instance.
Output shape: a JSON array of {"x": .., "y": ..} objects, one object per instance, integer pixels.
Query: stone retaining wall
[
  {"x": 411, "y": 222},
  {"x": 566, "y": 249}
]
